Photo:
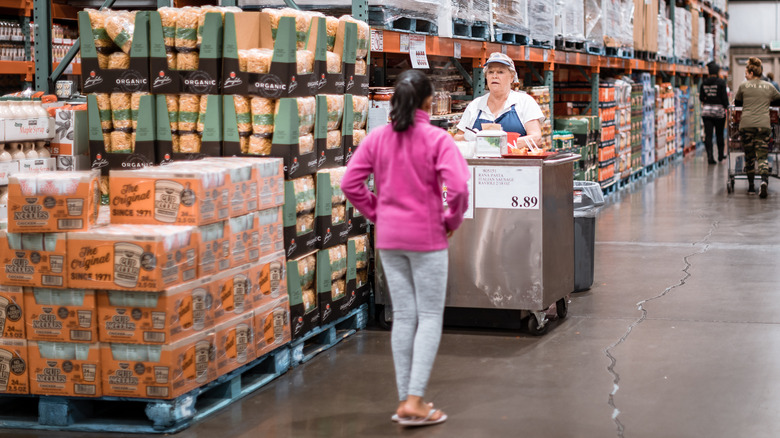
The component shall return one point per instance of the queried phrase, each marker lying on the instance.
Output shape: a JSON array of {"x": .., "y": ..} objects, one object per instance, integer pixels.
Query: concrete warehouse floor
[{"x": 675, "y": 339}]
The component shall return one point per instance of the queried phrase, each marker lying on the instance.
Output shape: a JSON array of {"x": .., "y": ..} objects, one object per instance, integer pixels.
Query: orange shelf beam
[
  {"x": 76, "y": 67},
  {"x": 24, "y": 68}
]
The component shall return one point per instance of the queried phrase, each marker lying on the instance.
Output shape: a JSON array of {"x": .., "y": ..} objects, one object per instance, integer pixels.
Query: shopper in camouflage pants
[{"x": 755, "y": 142}]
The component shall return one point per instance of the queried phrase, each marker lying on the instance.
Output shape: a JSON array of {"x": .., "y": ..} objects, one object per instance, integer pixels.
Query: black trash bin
[{"x": 587, "y": 200}]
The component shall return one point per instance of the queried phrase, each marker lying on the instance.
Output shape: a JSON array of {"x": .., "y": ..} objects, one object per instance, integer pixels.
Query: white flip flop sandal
[{"x": 427, "y": 421}]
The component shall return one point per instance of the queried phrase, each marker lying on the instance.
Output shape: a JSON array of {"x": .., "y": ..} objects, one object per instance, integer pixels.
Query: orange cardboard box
[
  {"x": 272, "y": 279},
  {"x": 249, "y": 287},
  {"x": 272, "y": 325},
  {"x": 132, "y": 257},
  {"x": 12, "y": 313},
  {"x": 271, "y": 231},
  {"x": 235, "y": 343},
  {"x": 245, "y": 238},
  {"x": 14, "y": 367},
  {"x": 52, "y": 202},
  {"x": 64, "y": 368},
  {"x": 136, "y": 317},
  {"x": 169, "y": 195},
  {"x": 158, "y": 371},
  {"x": 60, "y": 315},
  {"x": 33, "y": 259},
  {"x": 214, "y": 252},
  {"x": 265, "y": 187}
]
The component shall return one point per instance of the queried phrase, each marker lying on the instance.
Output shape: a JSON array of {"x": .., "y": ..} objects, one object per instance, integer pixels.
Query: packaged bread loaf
[
  {"x": 189, "y": 142},
  {"x": 362, "y": 36},
  {"x": 187, "y": 28},
  {"x": 336, "y": 175},
  {"x": 360, "y": 111},
  {"x": 97, "y": 20},
  {"x": 338, "y": 261},
  {"x": 172, "y": 101},
  {"x": 120, "y": 111},
  {"x": 306, "y": 144},
  {"x": 118, "y": 61},
  {"x": 305, "y": 62},
  {"x": 187, "y": 59},
  {"x": 104, "y": 109},
  {"x": 306, "y": 270},
  {"x": 309, "y": 300},
  {"x": 189, "y": 105},
  {"x": 360, "y": 67},
  {"x": 204, "y": 101},
  {"x": 361, "y": 250},
  {"x": 338, "y": 289},
  {"x": 332, "y": 27},
  {"x": 334, "y": 139},
  {"x": 262, "y": 115},
  {"x": 334, "y": 62},
  {"x": 243, "y": 114},
  {"x": 120, "y": 27},
  {"x": 357, "y": 136},
  {"x": 304, "y": 194},
  {"x": 259, "y": 145},
  {"x": 338, "y": 213},
  {"x": 121, "y": 142},
  {"x": 335, "y": 110}
]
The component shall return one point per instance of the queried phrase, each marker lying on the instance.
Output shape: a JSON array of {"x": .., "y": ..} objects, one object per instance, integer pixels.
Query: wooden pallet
[
  {"x": 509, "y": 37},
  {"x": 129, "y": 415},
  {"x": 570, "y": 45},
  {"x": 399, "y": 21},
  {"x": 323, "y": 338},
  {"x": 594, "y": 49},
  {"x": 476, "y": 30},
  {"x": 542, "y": 44}
]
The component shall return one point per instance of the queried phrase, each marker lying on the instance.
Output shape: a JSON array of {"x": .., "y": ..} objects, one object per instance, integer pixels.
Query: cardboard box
[
  {"x": 271, "y": 186},
  {"x": 158, "y": 371},
  {"x": 651, "y": 25},
  {"x": 304, "y": 312},
  {"x": 272, "y": 326},
  {"x": 235, "y": 343},
  {"x": 695, "y": 34},
  {"x": 206, "y": 79},
  {"x": 357, "y": 224},
  {"x": 6, "y": 169},
  {"x": 129, "y": 80},
  {"x": 347, "y": 37},
  {"x": 331, "y": 230},
  {"x": 214, "y": 248},
  {"x": 331, "y": 282},
  {"x": 284, "y": 143},
  {"x": 65, "y": 369},
  {"x": 132, "y": 257},
  {"x": 328, "y": 157},
  {"x": 14, "y": 367},
  {"x": 249, "y": 30},
  {"x": 52, "y": 202},
  {"x": 348, "y": 128},
  {"x": 295, "y": 244},
  {"x": 271, "y": 231},
  {"x": 33, "y": 259},
  {"x": 243, "y": 178},
  {"x": 169, "y": 195},
  {"x": 639, "y": 25},
  {"x": 358, "y": 288},
  {"x": 210, "y": 137},
  {"x": 38, "y": 165},
  {"x": 157, "y": 317},
  {"x": 235, "y": 292},
  {"x": 60, "y": 315},
  {"x": 271, "y": 280},
  {"x": 27, "y": 129},
  {"x": 245, "y": 238},
  {"x": 12, "y": 313},
  {"x": 71, "y": 134},
  {"x": 143, "y": 155}
]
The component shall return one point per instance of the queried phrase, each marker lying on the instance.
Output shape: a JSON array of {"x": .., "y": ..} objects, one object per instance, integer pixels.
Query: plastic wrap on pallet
[
  {"x": 682, "y": 33},
  {"x": 626, "y": 24},
  {"x": 709, "y": 44},
  {"x": 511, "y": 16},
  {"x": 701, "y": 47},
  {"x": 428, "y": 10},
  {"x": 569, "y": 19},
  {"x": 594, "y": 21},
  {"x": 665, "y": 37},
  {"x": 303, "y": 4},
  {"x": 471, "y": 10},
  {"x": 541, "y": 16}
]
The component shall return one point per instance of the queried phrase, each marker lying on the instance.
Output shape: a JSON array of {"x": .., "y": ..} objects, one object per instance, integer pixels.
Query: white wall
[{"x": 754, "y": 23}]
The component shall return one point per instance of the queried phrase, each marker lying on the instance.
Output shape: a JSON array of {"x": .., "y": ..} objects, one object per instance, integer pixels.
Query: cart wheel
[
  {"x": 562, "y": 307},
  {"x": 381, "y": 317},
  {"x": 533, "y": 326}
]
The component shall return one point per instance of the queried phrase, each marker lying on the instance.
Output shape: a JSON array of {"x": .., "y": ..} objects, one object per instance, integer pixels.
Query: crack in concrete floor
[{"x": 643, "y": 317}]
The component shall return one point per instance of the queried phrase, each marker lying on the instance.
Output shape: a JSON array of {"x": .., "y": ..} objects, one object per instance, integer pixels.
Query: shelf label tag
[
  {"x": 507, "y": 187},
  {"x": 417, "y": 53},
  {"x": 377, "y": 41},
  {"x": 456, "y": 51}
]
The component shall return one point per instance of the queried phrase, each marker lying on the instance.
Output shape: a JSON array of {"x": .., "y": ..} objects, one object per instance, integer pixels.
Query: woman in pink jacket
[{"x": 411, "y": 160}]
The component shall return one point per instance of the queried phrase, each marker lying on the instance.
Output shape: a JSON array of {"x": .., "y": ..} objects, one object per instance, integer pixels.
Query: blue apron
[{"x": 509, "y": 122}]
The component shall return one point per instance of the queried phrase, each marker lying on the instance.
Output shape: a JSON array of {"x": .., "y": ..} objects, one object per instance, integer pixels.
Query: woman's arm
[
  {"x": 460, "y": 136},
  {"x": 534, "y": 130},
  {"x": 353, "y": 184}
]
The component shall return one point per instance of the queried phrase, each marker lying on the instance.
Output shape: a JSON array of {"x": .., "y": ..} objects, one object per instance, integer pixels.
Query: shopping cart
[{"x": 735, "y": 152}]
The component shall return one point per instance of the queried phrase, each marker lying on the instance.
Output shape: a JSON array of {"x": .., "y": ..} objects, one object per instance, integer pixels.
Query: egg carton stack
[
  {"x": 648, "y": 120},
  {"x": 542, "y": 97},
  {"x": 623, "y": 121}
]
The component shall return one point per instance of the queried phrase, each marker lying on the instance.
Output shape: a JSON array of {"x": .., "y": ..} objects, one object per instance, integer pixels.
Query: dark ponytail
[{"x": 411, "y": 90}]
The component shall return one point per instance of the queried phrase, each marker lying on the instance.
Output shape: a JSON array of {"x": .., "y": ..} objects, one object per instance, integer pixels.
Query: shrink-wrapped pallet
[
  {"x": 511, "y": 16},
  {"x": 570, "y": 19},
  {"x": 541, "y": 16}
]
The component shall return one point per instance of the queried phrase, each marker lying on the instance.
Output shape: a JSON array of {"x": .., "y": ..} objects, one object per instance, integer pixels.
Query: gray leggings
[{"x": 418, "y": 284}]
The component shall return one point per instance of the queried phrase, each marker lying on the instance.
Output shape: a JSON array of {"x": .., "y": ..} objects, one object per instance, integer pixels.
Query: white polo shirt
[{"x": 526, "y": 107}]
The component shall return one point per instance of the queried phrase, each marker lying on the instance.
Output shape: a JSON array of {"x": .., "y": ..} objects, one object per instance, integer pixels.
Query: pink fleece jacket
[{"x": 409, "y": 169}]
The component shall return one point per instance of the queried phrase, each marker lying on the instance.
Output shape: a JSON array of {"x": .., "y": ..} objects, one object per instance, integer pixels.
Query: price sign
[
  {"x": 456, "y": 50},
  {"x": 504, "y": 187},
  {"x": 417, "y": 53},
  {"x": 377, "y": 41}
]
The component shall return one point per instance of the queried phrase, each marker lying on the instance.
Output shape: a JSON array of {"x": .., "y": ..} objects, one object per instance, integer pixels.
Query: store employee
[{"x": 515, "y": 111}]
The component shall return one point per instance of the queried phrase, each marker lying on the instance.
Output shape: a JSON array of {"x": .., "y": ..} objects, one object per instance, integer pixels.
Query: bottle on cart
[
  {"x": 16, "y": 109},
  {"x": 16, "y": 151},
  {"x": 29, "y": 150},
  {"x": 42, "y": 149},
  {"x": 5, "y": 156},
  {"x": 39, "y": 109}
]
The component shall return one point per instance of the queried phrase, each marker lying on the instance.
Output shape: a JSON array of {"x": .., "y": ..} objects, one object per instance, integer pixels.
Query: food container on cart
[{"x": 588, "y": 197}]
